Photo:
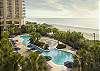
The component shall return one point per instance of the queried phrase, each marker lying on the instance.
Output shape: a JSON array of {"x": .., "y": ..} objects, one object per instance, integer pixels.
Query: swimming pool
[
  {"x": 25, "y": 39},
  {"x": 58, "y": 56}
]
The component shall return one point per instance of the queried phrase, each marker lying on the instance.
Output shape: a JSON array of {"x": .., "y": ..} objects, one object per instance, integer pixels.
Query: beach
[{"x": 87, "y": 32}]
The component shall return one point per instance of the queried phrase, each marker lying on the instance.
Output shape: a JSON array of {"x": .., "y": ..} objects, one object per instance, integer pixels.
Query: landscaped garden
[{"x": 87, "y": 57}]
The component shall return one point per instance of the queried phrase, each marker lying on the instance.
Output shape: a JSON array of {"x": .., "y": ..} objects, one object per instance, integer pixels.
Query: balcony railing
[
  {"x": 23, "y": 1},
  {"x": 1, "y": 17},
  {"x": 23, "y": 4}
]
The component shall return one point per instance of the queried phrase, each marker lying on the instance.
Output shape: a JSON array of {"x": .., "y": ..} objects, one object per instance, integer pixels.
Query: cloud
[{"x": 62, "y": 8}]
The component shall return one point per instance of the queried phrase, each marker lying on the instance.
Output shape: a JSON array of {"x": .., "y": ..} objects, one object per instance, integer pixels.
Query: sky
[{"x": 62, "y": 8}]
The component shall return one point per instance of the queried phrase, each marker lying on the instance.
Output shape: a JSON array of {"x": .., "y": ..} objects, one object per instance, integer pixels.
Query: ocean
[{"x": 87, "y": 26}]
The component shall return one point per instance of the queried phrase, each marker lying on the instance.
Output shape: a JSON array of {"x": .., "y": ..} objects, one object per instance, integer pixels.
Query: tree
[
  {"x": 35, "y": 37},
  {"x": 57, "y": 36},
  {"x": 8, "y": 60},
  {"x": 5, "y": 34},
  {"x": 34, "y": 62},
  {"x": 75, "y": 39},
  {"x": 14, "y": 30},
  {"x": 17, "y": 30},
  {"x": 54, "y": 30},
  {"x": 38, "y": 62},
  {"x": 48, "y": 30},
  {"x": 42, "y": 29},
  {"x": 89, "y": 58},
  {"x": 11, "y": 31},
  {"x": 30, "y": 28},
  {"x": 28, "y": 23},
  {"x": 23, "y": 29}
]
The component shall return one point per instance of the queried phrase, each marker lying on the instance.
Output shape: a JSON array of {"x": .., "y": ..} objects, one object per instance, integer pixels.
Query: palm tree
[
  {"x": 30, "y": 28},
  {"x": 37, "y": 62},
  {"x": 54, "y": 30},
  {"x": 35, "y": 37},
  {"x": 8, "y": 60},
  {"x": 88, "y": 58}
]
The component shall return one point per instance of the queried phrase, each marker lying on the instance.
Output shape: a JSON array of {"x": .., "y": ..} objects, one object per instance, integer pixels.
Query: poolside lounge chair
[{"x": 16, "y": 48}]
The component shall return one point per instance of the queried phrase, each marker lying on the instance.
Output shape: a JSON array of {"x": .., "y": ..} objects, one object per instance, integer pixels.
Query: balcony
[
  {"x": 23, "y": 7},
  {"x": 1, "y": 23},
  {"x": 1, "y": 1},
  {"x": 23, "y": 1},
  {"x": 1, "y": 17},
  {"x": 1, "y": 7},
  {"x": 24, "y": 13},
  {"x": 16, "y": 4},
  {"x": 24, "y": 10},
  {"x": 23, "y": 4}
]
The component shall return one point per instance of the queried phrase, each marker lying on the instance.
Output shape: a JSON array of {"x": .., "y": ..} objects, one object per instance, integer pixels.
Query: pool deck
[
  {"x": 50, "y": 41},
  {"x": 53, "y": 43},
  {"x": 23, "y": 50},
  {"x": 55, "y": 67}
]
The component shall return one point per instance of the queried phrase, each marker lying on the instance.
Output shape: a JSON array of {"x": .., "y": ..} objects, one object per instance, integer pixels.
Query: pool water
[
  {"x": 25, "y": 39},
  {"x": 58, "y": 56}
]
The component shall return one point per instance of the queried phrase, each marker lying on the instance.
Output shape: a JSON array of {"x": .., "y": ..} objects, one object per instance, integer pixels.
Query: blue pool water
[
  {"x": 25, "y": 39},
  {"x": 58, "y": 56}
]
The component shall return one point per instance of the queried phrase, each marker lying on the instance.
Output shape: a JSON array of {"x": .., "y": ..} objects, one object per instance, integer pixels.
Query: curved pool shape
[{"x": 58, "y": 56}]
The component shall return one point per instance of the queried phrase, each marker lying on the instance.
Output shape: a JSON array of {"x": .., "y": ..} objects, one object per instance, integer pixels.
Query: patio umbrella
[{"x": 16, "y": 40}]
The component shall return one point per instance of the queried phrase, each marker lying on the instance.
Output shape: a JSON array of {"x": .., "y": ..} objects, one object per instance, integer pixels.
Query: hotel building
[{"x": 12, "y": 12}]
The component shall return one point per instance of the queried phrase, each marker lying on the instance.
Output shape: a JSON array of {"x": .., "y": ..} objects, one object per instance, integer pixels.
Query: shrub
[
  {"x": 47, "y": 58},
  {"x": 61, "y": 46},
  {"x": 40, "y": 44},
  {"x": 46, "y": 46}
]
